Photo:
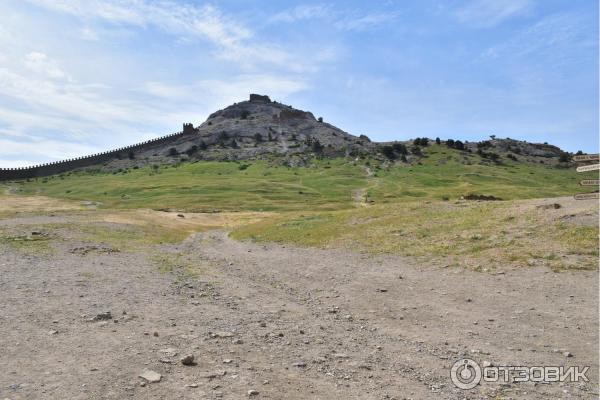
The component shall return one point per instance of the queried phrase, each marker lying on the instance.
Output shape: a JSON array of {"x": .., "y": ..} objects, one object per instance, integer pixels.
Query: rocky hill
[
  {"x": 256, "y": 128},
  {"x": 260, "y": 128},
  {"x": 263, "y": 129}
]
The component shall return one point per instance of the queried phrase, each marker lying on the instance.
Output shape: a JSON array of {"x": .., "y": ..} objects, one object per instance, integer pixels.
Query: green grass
[
  {"x": 205, "y": 186},
  {"x": 471, "y": 234},
  {"x": 31, "y": 245},
  {"x": 326, "y": 185}
]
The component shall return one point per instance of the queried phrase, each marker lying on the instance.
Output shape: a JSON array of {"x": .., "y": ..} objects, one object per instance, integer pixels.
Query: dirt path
[{"x": 283, "y": 322}]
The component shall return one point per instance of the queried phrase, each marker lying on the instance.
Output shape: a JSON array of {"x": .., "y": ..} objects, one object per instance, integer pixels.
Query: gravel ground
[{"x": 270, "y": 322}]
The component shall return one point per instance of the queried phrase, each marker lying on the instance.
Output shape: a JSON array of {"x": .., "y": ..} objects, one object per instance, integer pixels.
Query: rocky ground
[{"x": 89, "y": 320}]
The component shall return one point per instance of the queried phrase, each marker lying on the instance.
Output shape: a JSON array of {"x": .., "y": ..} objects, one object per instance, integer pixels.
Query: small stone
[
  {"x": 222, "y": 335},
  {"x": 188, "y": 360},
  {"x": 155, "y": 334},
  {"x": 103, "y": 316},
  {"x": 150, "y": 376},
  {"x": 193, "y": 385},
  {"x": 227, "y": 361},
  {"x": 568, "y": 354},
  {"x": 253, "y": 392},
  {"x": 300, "y": 364},
  {"x": 52, "y": 332}
]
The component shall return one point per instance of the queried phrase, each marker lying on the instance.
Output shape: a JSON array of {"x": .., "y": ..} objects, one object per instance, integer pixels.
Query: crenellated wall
[{"x": 58, "y": 167}]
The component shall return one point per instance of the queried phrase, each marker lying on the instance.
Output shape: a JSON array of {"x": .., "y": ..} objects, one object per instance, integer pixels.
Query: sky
[{"x": 83, "y": 76}]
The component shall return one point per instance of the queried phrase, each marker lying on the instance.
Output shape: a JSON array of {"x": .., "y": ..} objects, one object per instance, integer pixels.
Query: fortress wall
[{"x": 58, "y": 167}]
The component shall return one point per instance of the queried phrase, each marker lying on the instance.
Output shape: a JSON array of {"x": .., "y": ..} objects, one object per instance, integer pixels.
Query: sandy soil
[{"x": 273, "y": 322}]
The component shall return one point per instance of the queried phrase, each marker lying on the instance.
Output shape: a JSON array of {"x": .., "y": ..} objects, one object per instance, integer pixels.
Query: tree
[
  {"x": 399, "y": 148},
  {"x": 450, "y": 143},
  {"x": 437, "y": 140},
  {"x": 388, "y": 152},
  {"x": 416, "y": 150},
  {"x": 320, "y": 119},
  {"x": 458, "y": 145},
  {"x": 564, "y": 157}
]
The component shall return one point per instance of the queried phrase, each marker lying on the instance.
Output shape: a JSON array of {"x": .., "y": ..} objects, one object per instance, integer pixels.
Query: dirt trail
[{"x": 284, "y": 322}]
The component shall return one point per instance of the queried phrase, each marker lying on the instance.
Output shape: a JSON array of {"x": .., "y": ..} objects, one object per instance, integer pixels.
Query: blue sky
[{"x": 81, "y": 76}]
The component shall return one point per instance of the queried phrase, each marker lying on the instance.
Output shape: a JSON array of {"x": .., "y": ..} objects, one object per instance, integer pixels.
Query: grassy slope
[
  {"x": 474, "y": 234},
  {"x": 319, "y": 205},
  {"x": 205, "y": 186},
  {"x": 328, "y": 185}
]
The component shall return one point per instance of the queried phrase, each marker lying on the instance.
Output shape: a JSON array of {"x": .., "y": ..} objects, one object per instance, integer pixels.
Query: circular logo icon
[{"x": 465, "y": 374}]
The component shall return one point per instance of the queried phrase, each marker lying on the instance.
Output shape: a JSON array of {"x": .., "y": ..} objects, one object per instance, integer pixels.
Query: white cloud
[
  {"x": 489, "y": 13},
  {"x": 43, "y": 149},
  {"x": 556, "y": 36},
  {"x": 364, "y": 22},
  {"x": 203, "y": 22},
  {"x": 344, "y": 20},
  {"x": 41, "y": 64},
  {"x": 302, "y": 13},
  {"x": 89, "y": 35}
]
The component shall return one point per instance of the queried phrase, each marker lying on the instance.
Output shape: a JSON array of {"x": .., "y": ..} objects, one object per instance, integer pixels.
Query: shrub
[
  {"x": 258, "y": 137},
  {"x": 320, "y": 119},
  {"x": 245, "y": 114},
  {"x": 388, "y": 152},
  {"x": 400, "y": 148},
  {"x": 173, "y": 152},
  {"x": 564, "y": 157},
  {"x": 191, "y": 150}
]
